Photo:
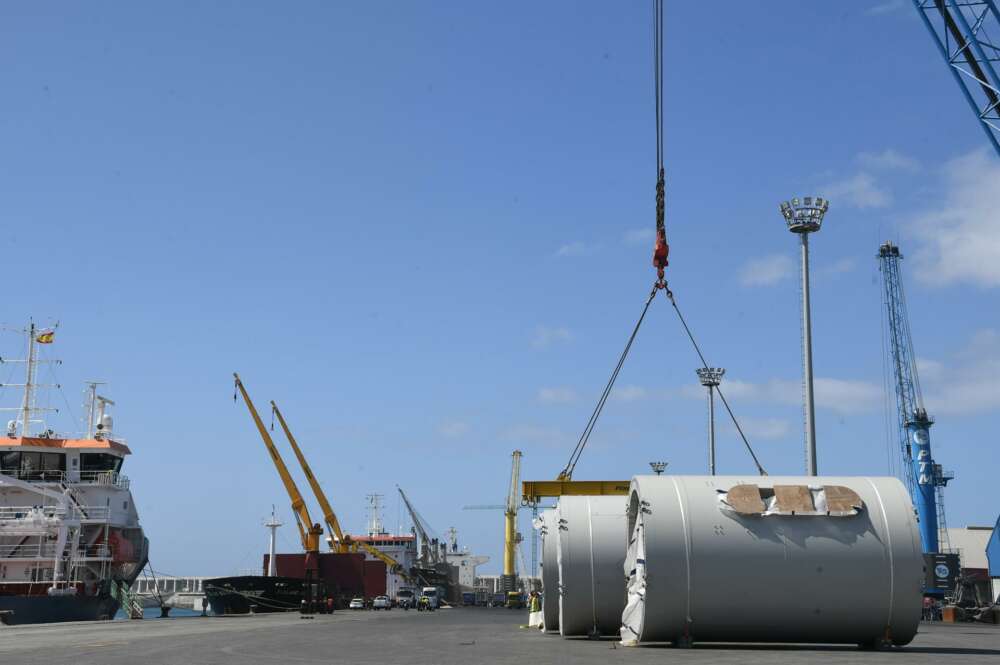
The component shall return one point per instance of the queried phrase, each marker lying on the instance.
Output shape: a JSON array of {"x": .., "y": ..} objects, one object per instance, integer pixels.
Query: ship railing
[
  {"x": 36, "y": 475},
  {"x": 86, "y": 513},
  {"x": 47, "y": 551},
  {"x": 107, "y": 478}
]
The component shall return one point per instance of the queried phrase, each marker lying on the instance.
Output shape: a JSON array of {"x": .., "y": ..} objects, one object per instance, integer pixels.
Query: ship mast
[
  {"x": 24, "y": 412},
  {"x": 29, "y": 384}
]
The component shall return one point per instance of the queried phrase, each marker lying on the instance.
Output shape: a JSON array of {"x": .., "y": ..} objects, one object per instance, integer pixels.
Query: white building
[{"x": 970, "y": 543}]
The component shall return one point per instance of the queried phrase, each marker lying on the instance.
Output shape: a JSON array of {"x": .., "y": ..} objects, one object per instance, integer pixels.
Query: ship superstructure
[{"x": 70, "y": 539}]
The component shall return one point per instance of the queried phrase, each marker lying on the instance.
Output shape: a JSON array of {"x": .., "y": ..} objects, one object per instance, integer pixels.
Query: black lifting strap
[
  {"x": 567, "y": 473},
  {"x": 704, "y": 363}
]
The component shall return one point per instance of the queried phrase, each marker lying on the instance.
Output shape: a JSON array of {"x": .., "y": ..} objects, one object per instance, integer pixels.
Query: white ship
[{"x": 70, "y": 539}]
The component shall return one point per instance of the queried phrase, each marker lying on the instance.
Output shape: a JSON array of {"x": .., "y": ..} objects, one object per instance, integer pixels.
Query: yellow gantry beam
[{"x": 532, "y": 491}]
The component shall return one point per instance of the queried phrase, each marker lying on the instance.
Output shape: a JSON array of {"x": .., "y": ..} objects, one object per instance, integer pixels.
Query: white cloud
[
  {"x": 930, "y": 370},
  {"x": 556, "y": 395},
  {"x": 969, "y": 383},
  {"x": 961, "y": 237},
  {"x": 839, "y": 395},
  {"x": 888, "y": 160},
  {"x": 453, "y": 429},
  {"x": 847, "y": 397},
  {"x": 639, "y": 237},
  {"x": 858, "y": 191},
  {"x": 576, "y": 248},
  {"x": 629, "y": 393},
  {"x": 885, "y": 7},
  {"x": 767, "y": 270},
  {"x": 546, "y": 336}
]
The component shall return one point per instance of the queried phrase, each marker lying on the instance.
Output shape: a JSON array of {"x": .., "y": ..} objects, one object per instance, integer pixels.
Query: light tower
[
  {"x": 805, "y": 216},
  {"x": 658, "y": 467},
  {"x": 710, "y": 377}
]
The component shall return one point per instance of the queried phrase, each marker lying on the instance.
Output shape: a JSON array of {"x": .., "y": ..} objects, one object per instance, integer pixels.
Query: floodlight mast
[
  {"x": 711, "y": 377},
  {"x": 803, "y": 217}
]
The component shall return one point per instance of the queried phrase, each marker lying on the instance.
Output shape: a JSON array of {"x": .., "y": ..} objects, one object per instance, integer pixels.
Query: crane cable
[
  {"x": 660, "y": 252},
  {"x": 760, "y": 469},
  {"x": 567, "y": 472},
  {"x": 660, "y": 248}
]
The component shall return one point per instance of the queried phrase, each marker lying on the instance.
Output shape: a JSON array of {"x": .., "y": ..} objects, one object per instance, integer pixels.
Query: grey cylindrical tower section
[
  {"x": 701, "y": 570},
  {"x": 548, "y": 529},
  {"x": 591, "y": 555}
]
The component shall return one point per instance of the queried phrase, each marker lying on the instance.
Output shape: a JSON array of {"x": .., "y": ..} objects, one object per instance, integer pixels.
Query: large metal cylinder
[
  {"x": 591, "y": 555},
  {"x": 547, "y": 525},
  {"x": 771, "y": 559}
]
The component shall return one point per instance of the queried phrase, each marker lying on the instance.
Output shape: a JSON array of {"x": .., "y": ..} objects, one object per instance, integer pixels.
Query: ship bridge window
[
  {"x": 33, "y": 466},
  {"x": 99, "y": 462},
  {"x": 10, "y": 463}
]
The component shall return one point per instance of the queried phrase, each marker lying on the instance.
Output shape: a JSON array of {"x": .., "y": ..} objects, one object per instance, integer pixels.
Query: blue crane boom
[
  {"x": 966, "y": 33},
  {"x": 924, "y": 478}
]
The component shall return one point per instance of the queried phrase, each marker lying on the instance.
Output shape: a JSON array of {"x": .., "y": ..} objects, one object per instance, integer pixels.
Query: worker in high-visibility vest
[{"x": 535, "y": 604}]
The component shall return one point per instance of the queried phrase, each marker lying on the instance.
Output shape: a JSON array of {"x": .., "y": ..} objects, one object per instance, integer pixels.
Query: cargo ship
[
  {"x": 292, "y": 582},
  {"x": 70, "y": 540},
  {"x": 254, "y": 594}
]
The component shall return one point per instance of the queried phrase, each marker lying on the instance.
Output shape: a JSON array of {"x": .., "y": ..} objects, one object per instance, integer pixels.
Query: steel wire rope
[
  {"x": 658, "y": 79},
  {"x": 725, "y": 402},
  {"x": 588, "y": 430}
]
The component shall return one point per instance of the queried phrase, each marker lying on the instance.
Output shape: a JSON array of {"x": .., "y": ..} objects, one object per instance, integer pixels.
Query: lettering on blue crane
[{"x": 924, "y": 466}]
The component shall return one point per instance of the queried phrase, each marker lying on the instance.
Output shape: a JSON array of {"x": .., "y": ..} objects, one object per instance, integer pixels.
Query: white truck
[{"x": 430, "y": 598}]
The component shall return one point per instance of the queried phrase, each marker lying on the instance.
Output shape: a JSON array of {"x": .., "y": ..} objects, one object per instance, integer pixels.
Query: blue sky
[{"x": 424, "y": 229}]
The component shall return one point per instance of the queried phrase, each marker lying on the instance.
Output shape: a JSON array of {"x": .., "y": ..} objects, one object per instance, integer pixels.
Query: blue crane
[
  {"x": 924, "y": 478},
  {"x": 966, "y": 33}
]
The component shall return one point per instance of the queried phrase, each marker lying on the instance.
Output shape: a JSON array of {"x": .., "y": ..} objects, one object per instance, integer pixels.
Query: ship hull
[
  {"x": 55, "y": 609},
  {"x": 260, "y": 594}
]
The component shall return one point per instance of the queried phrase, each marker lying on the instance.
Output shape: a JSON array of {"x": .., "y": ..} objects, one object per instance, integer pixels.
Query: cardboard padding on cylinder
[
  {"x": 591, "y": 554},
  {"x": 701, "y": 569}
]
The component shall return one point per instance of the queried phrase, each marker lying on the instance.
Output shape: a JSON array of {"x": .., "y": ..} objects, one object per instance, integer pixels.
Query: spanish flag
[{"x": 46, "y": 337}]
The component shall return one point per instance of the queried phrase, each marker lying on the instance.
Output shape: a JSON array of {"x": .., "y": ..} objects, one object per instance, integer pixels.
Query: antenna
[
  {"x": 375, "y": 526},
  {"x": 91, "y": 406}
]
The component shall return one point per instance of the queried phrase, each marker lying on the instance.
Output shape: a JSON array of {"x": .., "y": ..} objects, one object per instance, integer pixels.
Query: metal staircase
[{"x": 130, "y": 603}]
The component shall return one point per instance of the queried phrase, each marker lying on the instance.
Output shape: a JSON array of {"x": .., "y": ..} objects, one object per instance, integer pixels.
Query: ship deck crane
[
  {"x": 430, "y": 555},
  {"x": 337, "y": 540},
  {"x": 309, "y": 531},
  {"x": 924, "y": 478}
]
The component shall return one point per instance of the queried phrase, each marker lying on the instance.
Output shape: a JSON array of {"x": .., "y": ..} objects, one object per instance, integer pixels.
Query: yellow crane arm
[
  {"x": 338, "y": 543},
  {"x": 393, "y": 565},
  {"x": 309, "y": 531}
]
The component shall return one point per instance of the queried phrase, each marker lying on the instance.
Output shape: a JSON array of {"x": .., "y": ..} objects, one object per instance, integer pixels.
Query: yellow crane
[
  {"x": 511, "y": 536},
  {"x": 337, "y": 540},
  {"x": 309, "y": 531}
]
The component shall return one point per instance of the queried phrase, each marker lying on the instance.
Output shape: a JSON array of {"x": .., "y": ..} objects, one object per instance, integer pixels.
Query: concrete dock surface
[{"x": 459, "y": 636}]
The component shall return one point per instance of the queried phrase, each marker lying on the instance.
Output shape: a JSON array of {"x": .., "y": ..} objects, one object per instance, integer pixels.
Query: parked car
[
  {"x": 357, "y": 604},
  {"x": 381, "y": 603}
]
